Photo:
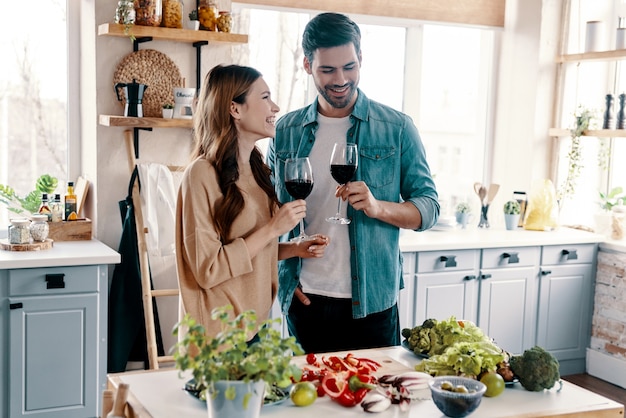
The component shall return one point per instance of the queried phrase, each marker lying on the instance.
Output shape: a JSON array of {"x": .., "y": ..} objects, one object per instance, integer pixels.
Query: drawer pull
[
  {"x": 55, "y": 281},
  {"x": 449, "y": 260},
  {"x": 570, "y": 254},
  {"x": 17, "y": 305},
  {"x": 470, "y": 277},
  {"x": 511, "y": 258},
  {"x": 485, "y": 276},
  {"x": 546, "y": 272}
]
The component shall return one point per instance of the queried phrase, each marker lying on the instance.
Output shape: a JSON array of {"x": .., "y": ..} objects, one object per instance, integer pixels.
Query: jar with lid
[
  {"x": 173, "y": 14},
  {"x": 224, "y": 21},
  {"x": 125, "y": 12},
  {"x": 19, "y": 233},
  {"x": 618, "y": 222},
  {"x": 207, "y": 15},
  {"x": 148, "y": 12},
  {"x": 39, "y": 228}
]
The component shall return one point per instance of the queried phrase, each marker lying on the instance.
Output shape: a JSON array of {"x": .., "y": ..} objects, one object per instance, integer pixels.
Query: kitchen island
[{"x": 160, "y": 394}]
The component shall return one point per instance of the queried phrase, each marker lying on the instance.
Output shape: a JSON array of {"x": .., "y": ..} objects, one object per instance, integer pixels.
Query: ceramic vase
[
  {"x": 246, "y": 404},
  {"x": 168, "y": 113},
  {"x": 511, "y": 221},
  {"x": 462, "y": 219}
]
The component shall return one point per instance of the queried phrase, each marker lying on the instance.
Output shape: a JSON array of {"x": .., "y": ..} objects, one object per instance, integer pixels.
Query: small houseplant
[
  {"x": 194, "y": 23},
  {"x": 168, "y": 111},
  {"x": 512, "y": 210},
  {"x": 462, "y": 213},
  {"x": 614, "y": 197},
  {"x": 218, "y": 363},
  {"x": 30, "y": 203}
]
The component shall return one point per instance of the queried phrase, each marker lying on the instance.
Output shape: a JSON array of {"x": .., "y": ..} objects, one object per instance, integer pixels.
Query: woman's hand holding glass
[{"x": 299, "y": 183}]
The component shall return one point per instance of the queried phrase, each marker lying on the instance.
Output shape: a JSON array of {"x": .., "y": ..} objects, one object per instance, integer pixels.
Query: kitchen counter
[
  {"x": 62, "y": 253},
  {"x": 159, "y": 394},
  {"x": 478, "y": 238}
]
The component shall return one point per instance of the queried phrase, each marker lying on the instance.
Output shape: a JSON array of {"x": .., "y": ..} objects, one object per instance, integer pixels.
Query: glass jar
[
  {"x": 148, "y": 12},
  {"x": 125, "y": 12},
  {"x": 39, "y": 228},
  {"x": 224, "y": 21},
  {"x": 618, "y": 222},
  {"x": 207, "y": 15},
  {"x": 173, "y": 14},
  {"x": 19, "y": 232}
]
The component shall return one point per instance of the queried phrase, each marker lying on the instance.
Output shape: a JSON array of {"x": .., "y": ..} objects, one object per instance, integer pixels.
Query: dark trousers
[{"x": 327, "y": 325}]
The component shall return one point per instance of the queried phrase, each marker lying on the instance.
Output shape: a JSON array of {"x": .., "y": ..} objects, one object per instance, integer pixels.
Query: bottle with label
[
  {"x": 44, "y": 209},
  {"x": 57, "y": 208},
  {"x": 70, "y": 203}
]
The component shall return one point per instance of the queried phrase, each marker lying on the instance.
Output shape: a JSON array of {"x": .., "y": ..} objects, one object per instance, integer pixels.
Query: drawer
[
  {"x": 568, "y": 254},
  {"x": 510, "y": 257},
  {"x": 454, "y": 260},
  {"x": 53, "y": 280}
]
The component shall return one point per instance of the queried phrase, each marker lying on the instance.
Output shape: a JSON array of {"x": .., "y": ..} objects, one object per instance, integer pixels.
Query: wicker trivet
[{"x": 157, "y": 71}]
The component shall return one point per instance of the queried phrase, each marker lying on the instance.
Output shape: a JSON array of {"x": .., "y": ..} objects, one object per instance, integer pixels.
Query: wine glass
[
  {"x": 299, "y": 183},
  {"x": 343, "y": 163}
]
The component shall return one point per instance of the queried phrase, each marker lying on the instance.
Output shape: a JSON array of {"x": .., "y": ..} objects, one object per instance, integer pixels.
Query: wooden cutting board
[
  {"x": 33, "y": 246},
  {"x": 387, "y": 364}
]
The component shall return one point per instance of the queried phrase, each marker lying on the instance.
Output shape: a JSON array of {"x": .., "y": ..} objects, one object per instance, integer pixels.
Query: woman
[{"x": 228, "y": 218}]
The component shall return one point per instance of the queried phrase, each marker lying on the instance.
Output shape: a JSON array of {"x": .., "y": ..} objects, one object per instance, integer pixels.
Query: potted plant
[
  {"x": 168, "y": 111},
  {"x": 30, "y": 203},
  {"x": 602, "y": 219},
  {"x": 512, "y": 210},
  {"x": 462, "y": 213},
  {"x": 193, "y": 23},
  {"x": 233, "y": 372}
]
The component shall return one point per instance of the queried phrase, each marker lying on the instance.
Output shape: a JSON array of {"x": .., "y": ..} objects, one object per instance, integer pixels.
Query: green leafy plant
[
  {"x": 512, "y": 207},
  {"x": 614, "y": 197},
  {"x": 463, "y": 207},
  {"x": 228, "y": 356},
  {"x": 583, "y": 119},
  {"x": 168, "y": 106},
  {"x": 30, "y": 203},
  {"x": 193, "y": 15}
]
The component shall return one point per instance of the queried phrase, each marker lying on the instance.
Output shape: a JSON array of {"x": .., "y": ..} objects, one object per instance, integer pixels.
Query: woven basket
[{"x": 154, "y": 69}]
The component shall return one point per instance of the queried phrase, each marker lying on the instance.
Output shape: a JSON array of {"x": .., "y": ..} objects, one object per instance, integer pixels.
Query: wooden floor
[{"x": 599, "y": 386}]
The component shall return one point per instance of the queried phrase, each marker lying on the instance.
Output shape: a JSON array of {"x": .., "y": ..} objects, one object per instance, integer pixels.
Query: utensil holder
[{"x": 484, "y": 221}]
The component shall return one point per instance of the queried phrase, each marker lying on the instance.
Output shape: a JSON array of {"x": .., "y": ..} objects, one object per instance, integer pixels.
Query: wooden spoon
[{"x": 493, "y": 191}]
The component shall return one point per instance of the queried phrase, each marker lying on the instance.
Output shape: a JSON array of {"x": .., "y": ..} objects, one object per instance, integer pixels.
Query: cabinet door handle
[
  {"x": 449, "y": 260},
  {"x": 55, "y": 281},
  {"x": 511, "y": 258},
  {"x": 17, "y": 305},
  {"x": 485, "y": 276},
  {"x": 570, "y": 254},
  {"x": 470, "y": 277},
  {"x": 546, "y": 272}
]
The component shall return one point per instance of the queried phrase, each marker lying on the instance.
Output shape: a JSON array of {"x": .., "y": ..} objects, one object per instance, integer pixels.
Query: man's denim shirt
[{"x": 392, "y": 162}]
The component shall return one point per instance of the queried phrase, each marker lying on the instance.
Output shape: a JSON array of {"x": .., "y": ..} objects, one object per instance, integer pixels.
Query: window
[
  {"x": 33, "y": 96},
  {"x": 440, "y": 75}
]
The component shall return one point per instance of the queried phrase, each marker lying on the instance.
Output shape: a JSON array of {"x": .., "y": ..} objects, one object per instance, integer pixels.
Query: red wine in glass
[
  {"x": 299, "y": 183},
  {"x": 343, "y": 163}
]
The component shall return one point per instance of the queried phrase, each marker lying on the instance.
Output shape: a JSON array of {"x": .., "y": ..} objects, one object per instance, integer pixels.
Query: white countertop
[
  {"x": 63, "y": 253},
  {"x": 159, "y": 394},
  {"x": 476, "y": 238}
]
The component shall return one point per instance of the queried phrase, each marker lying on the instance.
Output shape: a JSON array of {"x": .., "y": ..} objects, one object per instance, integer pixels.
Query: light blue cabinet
[{"x": 53, "y": 337}]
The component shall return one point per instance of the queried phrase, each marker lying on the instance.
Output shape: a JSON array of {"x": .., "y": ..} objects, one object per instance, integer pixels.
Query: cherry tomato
[{"x": 311, "y": 358}]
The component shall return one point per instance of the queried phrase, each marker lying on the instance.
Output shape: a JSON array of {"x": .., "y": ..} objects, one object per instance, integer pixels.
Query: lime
[
  {"x": 303, "y": 393},
  {"x": 494, "y": 382}
]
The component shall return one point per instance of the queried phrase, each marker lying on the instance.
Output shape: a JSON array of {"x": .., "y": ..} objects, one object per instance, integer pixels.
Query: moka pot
[{"x": 133, "y": 92}]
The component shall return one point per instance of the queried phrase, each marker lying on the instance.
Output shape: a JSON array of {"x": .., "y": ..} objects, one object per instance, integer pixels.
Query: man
[{"x": 349, "y": 301}]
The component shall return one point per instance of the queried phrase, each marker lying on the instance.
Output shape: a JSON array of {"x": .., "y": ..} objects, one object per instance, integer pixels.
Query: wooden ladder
[{"x": 147, "y": 293}]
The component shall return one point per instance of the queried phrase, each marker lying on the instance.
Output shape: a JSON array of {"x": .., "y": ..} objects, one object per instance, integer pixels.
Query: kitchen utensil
[
  {"x": 493, "y": 191},
  {"x": 477, "y": 187},
  {"x": 133, "y": 92}
]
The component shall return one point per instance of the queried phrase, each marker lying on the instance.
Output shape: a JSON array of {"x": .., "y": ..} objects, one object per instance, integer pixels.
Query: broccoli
[{"x": 536, "y": 369}]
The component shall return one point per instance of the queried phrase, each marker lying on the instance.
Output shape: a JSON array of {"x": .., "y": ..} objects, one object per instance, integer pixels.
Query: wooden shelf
[
  {"x": 600, "y": 133},
  {"x": 168, "y": 34},
  {"x": 616, "y": 55},
  {"x": 131, "y": 122}
]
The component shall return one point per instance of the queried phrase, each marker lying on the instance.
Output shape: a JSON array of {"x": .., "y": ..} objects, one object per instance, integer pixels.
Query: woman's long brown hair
[{"x": 216, "y": 140}]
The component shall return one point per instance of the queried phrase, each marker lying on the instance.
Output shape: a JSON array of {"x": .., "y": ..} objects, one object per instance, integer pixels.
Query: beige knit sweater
[{"x": 211, "y": 273}]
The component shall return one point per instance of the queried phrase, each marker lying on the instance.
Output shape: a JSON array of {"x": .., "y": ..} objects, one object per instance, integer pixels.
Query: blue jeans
[{"x": 327, "y": 325}]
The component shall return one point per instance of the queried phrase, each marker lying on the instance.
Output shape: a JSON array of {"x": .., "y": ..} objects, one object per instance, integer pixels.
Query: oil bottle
[{"x": 70, "y": 203}]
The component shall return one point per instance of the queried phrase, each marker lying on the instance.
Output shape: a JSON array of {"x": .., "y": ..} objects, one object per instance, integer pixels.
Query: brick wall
[{"x": 608, "y": 331}]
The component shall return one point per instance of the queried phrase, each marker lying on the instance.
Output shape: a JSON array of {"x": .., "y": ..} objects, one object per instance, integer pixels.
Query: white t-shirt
[{"x": 330, "y": 275}]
